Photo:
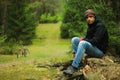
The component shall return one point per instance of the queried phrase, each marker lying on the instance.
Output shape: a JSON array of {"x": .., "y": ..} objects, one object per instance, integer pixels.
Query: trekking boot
[{"x": 70, "y": 70}]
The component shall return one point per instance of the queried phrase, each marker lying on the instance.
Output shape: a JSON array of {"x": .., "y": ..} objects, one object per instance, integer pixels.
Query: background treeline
[
  {"x": 19, "y": 18},
  {"x": 17, "y": 25},
  {"x": 73, "y": 23},
  {"x": 50, "y": 11}
]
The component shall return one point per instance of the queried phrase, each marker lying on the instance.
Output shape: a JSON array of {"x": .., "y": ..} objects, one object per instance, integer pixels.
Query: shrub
[
  {"x": 8, "y": 48},
  {"x": 43, "y": 18},
  {"x": 48, "y": 18}
]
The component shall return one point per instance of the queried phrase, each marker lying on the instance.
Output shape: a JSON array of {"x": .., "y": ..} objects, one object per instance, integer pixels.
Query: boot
[{"x": 70, "y": 70}]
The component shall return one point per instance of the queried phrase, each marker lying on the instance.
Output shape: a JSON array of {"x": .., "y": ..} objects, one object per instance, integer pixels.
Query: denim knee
[
  {"x": 84, "y": 43},
  {"x": 75, "y": 40}
]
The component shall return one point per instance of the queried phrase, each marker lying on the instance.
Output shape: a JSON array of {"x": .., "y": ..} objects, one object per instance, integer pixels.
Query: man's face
[{"x": 90, "y": 19}]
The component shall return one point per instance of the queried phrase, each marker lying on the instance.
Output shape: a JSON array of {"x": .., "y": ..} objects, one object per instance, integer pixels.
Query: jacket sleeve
[{"x": 98, "y": 35}]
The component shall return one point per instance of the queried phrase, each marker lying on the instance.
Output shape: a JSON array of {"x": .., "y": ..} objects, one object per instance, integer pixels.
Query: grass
[
  {"x": 48, "y": 43},
  {"x": 48, "y": 47}
]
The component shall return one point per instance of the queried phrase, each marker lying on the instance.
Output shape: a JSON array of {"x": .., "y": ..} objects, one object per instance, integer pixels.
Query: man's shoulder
[{"x": 100, "y": 24}]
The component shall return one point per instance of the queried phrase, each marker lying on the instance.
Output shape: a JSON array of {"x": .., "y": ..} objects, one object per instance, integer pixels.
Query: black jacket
[{"x": 97, "y": 35}]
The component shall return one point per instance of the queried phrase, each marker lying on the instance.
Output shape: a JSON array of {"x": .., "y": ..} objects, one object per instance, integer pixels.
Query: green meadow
[{"x": 47, "y": 48}]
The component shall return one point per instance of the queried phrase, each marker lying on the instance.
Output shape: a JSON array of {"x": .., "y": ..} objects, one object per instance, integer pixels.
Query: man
[{"x": 94, "y": 44}]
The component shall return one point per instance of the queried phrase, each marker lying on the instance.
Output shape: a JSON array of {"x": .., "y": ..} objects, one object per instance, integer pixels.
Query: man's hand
[{"x": 81, "y": 38}]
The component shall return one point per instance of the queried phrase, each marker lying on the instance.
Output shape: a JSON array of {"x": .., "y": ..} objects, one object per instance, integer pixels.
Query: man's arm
[{"x": 97, "y": 36}]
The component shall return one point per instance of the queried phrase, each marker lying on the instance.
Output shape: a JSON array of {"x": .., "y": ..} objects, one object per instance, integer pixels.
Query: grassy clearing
[
  {"x": 48, "y": 43},
  {"x": 47, "y": 48}
]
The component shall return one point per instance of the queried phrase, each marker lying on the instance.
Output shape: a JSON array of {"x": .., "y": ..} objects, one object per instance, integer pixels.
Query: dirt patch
[{"x": 3, "y": 65}]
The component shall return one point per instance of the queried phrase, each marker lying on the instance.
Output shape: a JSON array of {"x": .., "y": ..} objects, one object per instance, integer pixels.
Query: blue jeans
[{"x": 81, "y": 47}]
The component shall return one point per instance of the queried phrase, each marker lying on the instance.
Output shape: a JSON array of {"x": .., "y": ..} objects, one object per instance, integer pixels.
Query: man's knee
[
  {"x": 75, "y": 40},
  {"x": 85, "y": 44}
]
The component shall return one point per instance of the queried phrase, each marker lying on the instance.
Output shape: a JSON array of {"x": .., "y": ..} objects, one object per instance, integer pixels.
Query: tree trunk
[{"x": 4, "y": 4}]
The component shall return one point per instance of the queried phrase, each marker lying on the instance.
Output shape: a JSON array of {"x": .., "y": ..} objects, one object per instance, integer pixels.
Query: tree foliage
[
  {"x": 17, "y": 23},
  {"x": 50, "y": 11},
  {"x": 73, "y": 19},
  {"x": 21, "y": 22},
  {"x": 0, "y": 17},
  {"x": 19, "y": 18}
]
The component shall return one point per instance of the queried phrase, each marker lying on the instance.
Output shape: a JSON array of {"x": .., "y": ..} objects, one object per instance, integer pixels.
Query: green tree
[
  {"x": 21, "y": 22},
  {"x": 113, "y": 23},
  {"x": 17, "y": 24},
  {"x": 0, "y": 16}
]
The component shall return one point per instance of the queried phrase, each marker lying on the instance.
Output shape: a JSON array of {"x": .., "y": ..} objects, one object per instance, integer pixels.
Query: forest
[
  {"x": 20, "y": 18},
  {"x": 22, "y": 21}
]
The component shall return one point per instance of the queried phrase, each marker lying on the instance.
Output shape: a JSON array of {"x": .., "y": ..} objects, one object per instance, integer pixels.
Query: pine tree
[
  {"x": 0, "y": 15},
  {"x": 72, "y": 24},
  {"x": 20, "y": 23}
]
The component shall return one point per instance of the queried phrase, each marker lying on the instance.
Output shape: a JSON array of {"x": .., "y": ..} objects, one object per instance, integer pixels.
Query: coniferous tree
[
  {"x": 3, "y": 17},
  {"x": 0, "y": 15},
  {"x": 20, "y": 23},
  {"x": 3, "y": 14},
  {"x": 17, "y": 24}
]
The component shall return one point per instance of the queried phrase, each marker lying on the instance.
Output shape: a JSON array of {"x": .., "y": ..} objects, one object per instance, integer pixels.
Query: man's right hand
[{"x": 81, "y": 38}]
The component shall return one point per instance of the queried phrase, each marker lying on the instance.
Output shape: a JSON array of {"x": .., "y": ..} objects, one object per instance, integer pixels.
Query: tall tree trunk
[
  {"x": 0, "y": 13},
  {"x": 4, "y": 14}
]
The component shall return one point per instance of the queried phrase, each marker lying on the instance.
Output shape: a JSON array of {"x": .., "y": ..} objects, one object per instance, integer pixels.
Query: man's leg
[
  {"x": 94, "y": 52},
  {"x": 91, "y": 50},
  {"x": 81, "y": 48},
  {"x": 75, "y": 41}
]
